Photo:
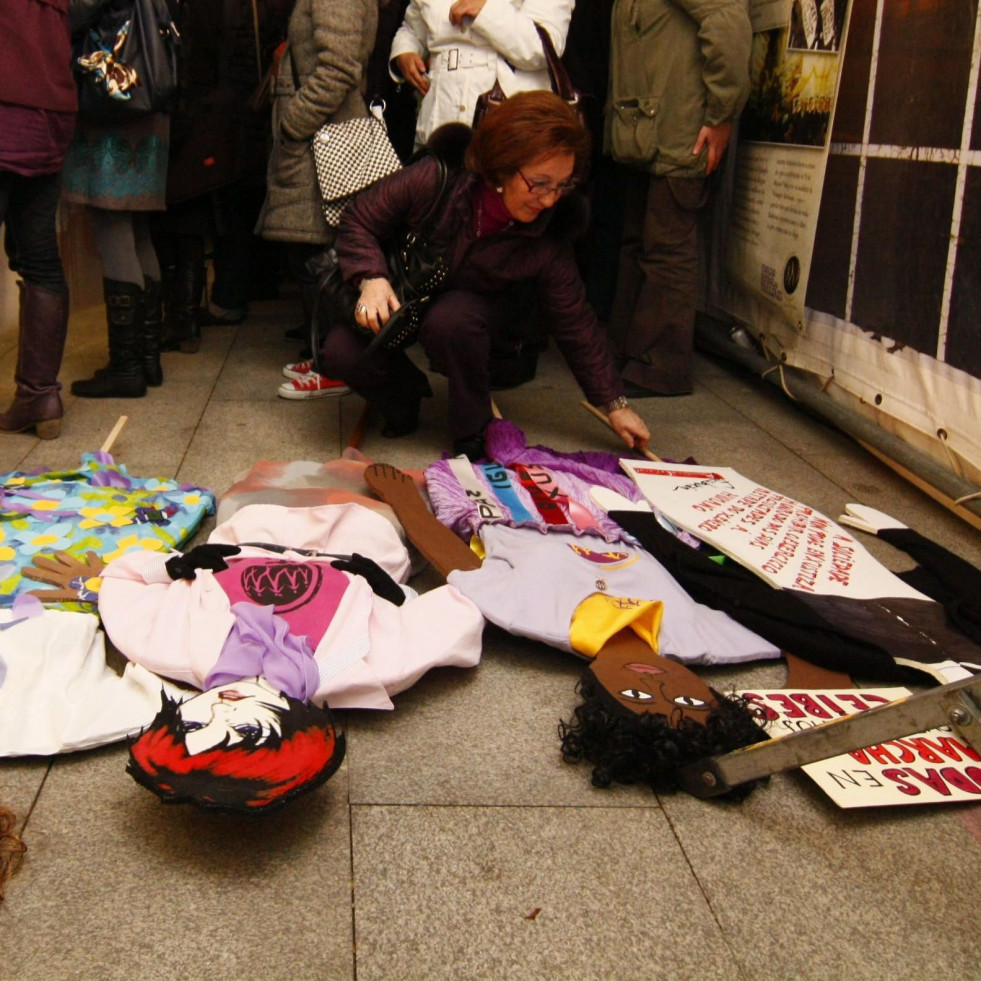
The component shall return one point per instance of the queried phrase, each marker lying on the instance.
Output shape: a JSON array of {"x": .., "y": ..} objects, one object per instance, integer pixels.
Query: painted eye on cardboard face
[
  {"x": 193, "y": 726},
  {"x": 688, "y": 701},
  {"x": 636, "y": 694}
]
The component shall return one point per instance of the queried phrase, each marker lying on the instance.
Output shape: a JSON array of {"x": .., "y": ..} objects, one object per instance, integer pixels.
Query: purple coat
[
  {"x": 35, "y": 55},
  {"x": 540, "y": 251}
]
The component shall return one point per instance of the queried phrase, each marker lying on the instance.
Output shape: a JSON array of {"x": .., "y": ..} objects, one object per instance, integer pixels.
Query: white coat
[{"x": 501, "y": 44}]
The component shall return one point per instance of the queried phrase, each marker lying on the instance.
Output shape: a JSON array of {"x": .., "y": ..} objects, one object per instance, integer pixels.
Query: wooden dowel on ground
[
  {"x": 116, "y": 430},
  {"x": 606, "y": 422},
  {"x": 355, "y": 441}
]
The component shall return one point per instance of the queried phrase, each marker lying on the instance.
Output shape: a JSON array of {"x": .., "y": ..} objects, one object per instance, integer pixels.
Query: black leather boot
[
  {"x": 123, "y": 377},
  {"x": 43, "y": 326},
  {"x": 152, "y": 330},
  {"x": 183, "y": 328}
]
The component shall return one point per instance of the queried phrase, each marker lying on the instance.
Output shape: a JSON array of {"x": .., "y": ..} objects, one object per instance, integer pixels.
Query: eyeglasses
[{"x": 542, "y": 189}]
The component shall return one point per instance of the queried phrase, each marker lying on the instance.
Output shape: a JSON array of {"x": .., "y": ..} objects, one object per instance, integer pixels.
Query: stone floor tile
[{"x": 528, "y": 893}]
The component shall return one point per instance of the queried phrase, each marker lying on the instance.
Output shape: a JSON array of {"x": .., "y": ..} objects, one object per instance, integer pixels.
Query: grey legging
[{"x": 122, "y": 239}]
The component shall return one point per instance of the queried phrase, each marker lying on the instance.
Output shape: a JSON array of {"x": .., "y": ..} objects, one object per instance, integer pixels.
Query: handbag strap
[
  {"x": 428, "y": 220},
  {"x": 561, "y": 83}
]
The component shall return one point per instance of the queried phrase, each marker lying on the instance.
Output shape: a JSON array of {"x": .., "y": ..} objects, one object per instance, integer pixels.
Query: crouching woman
[{"x": 507, "y": 220}]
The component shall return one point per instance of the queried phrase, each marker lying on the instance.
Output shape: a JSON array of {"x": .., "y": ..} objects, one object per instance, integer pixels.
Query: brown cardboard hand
[{"x": 76, "y": 580}]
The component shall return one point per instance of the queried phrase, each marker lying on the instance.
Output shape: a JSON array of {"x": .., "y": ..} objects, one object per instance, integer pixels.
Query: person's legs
[
  {"x": 153, "y": 297},
  {"x": 186, "y": 294},
  {"x": 387, "y": 379},
  {"x": 629, "y": 279},
  {"x": 652, "y": 325},
  {"x": 122, "y": 284},
  {"x": 456, "y": 334},
  {"x": 298, "y": 255},
  {"x": 604, "y": 234},
  {"x": 238, "y": 208},
  {"x": 27, "y": 208}
]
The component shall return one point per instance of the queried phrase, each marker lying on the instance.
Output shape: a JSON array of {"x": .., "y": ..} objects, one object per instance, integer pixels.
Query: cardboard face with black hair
[
  {"x": 642, "y": 717},
  {"x": 645, "y": 683},
  {"x": 241, "y": 747}
]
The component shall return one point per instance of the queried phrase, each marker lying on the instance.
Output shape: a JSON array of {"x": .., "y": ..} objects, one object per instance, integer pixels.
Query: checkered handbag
[{"x": 349, "y": 157}]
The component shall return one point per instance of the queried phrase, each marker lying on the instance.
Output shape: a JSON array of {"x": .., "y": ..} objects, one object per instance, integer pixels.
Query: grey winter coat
[
  {"x": 330, "y": 42},
  {"x": 675, "y": 66}
]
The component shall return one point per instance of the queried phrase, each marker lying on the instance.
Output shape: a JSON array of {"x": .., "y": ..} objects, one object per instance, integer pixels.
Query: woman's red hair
[{"x": 525, "y": 127}]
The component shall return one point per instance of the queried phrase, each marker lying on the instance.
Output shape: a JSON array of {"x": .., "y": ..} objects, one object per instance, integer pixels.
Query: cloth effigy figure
[
  {"x": 97, "y": 507},
  {"x": 284, "y": 612},
  {"x": 643, "y": 715}
]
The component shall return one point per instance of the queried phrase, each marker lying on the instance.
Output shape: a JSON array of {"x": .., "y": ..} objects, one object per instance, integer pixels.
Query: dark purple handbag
[{"x": 561, "y": 83}]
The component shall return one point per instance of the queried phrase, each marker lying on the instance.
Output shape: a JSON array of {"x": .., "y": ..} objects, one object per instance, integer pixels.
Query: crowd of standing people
[{"x": 227, "y": 164}]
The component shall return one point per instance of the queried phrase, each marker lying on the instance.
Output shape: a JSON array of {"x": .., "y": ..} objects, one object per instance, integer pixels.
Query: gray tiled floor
[{"x": 454, "y": 843}]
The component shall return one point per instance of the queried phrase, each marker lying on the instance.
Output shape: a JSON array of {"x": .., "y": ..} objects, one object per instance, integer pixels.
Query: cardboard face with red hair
[{"x": 241, "y": 747}]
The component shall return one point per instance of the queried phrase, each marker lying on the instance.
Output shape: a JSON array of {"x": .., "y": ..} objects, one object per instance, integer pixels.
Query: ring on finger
[{"x": 361, "y": 308}]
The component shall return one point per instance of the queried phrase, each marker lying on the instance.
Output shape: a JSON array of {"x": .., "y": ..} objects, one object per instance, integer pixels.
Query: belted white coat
[{"x": 501, "y": 43}]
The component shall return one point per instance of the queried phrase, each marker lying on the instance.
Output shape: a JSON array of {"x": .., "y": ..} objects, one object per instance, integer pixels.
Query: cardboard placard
[
  {"x": 787, "y": 543},
  {"x": 934, "y": 767}
]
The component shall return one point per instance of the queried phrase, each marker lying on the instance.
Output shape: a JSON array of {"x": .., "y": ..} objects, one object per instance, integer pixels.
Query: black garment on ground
[
  {"x": 860, "y": 637},
  {"x": 943, "y": 576}
]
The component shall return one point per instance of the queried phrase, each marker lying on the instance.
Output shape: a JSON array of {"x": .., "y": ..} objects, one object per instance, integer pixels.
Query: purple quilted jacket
[{"x": 540, "y": 252}]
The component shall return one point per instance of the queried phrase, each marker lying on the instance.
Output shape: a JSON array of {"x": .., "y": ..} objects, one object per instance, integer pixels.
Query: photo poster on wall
[
  {"x": 785, "y": 542},
  {"x": 782, "y": 153},
  {"x": 934, "y": 767}
]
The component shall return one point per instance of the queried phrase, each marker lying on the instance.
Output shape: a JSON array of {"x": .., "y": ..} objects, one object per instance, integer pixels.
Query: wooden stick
[
  {"x": 969, "y": 516},
  {"x": 495, "y": 411},
  {"x": 606, "y": 422},
  {"x": 359, "y": 427},
  {"x": 116, "y": 430}
]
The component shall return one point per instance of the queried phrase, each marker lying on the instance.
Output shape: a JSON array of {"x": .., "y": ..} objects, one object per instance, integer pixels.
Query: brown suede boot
[{"x": 43, "y": 327}]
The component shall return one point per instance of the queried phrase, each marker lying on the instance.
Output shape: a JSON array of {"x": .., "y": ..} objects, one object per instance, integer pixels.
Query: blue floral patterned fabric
[{"x": 98, "y": 507}]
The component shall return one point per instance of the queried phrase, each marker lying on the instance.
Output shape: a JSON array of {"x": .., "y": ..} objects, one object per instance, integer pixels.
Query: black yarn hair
[{"x": 627, "y": 747}]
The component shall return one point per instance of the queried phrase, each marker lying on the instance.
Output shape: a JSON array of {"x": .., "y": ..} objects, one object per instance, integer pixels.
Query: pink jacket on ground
[{"x": 369, "y": 651}]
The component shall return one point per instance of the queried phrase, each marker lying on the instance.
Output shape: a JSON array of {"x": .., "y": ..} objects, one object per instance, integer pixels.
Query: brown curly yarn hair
[{"x": 11, "y": 847}]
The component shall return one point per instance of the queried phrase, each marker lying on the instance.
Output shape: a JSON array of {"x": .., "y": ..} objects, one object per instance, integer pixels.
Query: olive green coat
[
  {"x": 675, "y": 66},
  {"x": 330, "y": 42}
]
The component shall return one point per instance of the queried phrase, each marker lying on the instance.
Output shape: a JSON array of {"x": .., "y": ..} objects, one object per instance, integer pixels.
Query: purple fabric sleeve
[
  {"x": 260, "y": 643},
  {"x": 574, "y": 473},
  {"x": 506, "y": 444}
]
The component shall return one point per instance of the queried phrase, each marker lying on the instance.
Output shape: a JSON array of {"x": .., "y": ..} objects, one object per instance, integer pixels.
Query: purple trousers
[{"x": 456, "y": 333}]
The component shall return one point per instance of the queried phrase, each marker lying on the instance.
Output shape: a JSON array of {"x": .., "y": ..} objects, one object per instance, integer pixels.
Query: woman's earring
[{"x": 500, "y": 190}]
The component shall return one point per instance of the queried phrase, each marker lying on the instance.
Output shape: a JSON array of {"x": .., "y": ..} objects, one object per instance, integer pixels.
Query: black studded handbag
[{"x": 416, "y": 271}]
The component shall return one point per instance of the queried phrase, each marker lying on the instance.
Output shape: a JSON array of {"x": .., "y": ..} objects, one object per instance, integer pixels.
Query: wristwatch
[{"x": 618, "y": 403}]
